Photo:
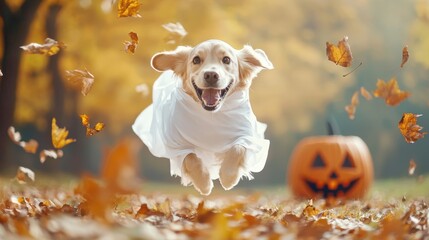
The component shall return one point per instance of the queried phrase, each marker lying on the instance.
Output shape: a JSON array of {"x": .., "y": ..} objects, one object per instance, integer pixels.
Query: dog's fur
[{"x": 210, "y": 72}]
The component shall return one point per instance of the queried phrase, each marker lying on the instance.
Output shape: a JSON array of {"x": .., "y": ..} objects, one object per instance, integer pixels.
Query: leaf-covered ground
[{"x": 60, "y": 211}]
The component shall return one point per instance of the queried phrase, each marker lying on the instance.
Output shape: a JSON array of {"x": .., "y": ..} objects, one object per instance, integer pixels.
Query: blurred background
[{"x": 295, "y": 99}]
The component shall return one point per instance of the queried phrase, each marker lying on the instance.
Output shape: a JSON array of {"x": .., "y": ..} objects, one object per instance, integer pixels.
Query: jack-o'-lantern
[{"x": 330, "y": 166}]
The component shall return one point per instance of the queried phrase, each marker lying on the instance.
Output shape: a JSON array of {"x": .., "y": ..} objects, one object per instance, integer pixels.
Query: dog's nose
[{"x": 211, "y": 77}]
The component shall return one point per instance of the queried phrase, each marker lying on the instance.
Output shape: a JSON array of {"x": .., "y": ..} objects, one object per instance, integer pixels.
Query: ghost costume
[{"x": 175, "y": 125}]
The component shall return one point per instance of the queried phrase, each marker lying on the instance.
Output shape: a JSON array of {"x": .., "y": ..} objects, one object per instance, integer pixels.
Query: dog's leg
[
  {"x": 198, "y": 173},
  {"x": 230, "y": 169}
]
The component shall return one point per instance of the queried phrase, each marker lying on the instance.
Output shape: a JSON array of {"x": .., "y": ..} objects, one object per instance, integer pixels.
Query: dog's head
[{"x": 212, "y": 70}]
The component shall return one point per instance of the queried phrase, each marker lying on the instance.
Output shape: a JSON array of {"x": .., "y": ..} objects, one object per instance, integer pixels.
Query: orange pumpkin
[{"x": 330, "y": 166}]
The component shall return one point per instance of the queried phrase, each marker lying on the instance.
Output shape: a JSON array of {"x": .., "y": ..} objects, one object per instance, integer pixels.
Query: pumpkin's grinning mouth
[
  {"x": 326, "y": 192},
  {"x": 215, "y": 106}
]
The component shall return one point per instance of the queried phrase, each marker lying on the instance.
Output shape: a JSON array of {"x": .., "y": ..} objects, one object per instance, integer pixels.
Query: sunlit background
[{"x": 295, "y": 99}]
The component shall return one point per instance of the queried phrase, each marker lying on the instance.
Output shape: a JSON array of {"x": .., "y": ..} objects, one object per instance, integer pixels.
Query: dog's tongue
[{"x": 210, "y": 96}]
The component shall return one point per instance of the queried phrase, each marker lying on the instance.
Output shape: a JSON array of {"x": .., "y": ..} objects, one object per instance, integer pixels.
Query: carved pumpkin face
[{"x": 330, "y": 166}]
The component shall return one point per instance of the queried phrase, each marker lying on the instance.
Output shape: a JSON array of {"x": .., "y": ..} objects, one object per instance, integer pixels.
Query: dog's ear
[
  {"x": 175, "y": 60},
  {"x": 251, "y": 62}
]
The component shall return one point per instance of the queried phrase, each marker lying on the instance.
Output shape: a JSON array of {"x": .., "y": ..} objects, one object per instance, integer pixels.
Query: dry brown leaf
[
  {"x": 128, "y": 8},
  {"x": 50, "y": 47},
  {"x": 390, "y": 92},
  {"x": 89, "y": 130},
  {"x": 59, "y": 136},
  {"x": 412, "y": 167},
  {"x": 80, "y": 79},
  {"x": 367, "y": 95},
  {"x": 405, "y": 55},
  {"x": 30, "y": 146},
  {"x": 24, "y": 174},
  {"x": 409, "y": 127},
  {"x": 340, "y": 54},
  {"x": 351, "y": 108},
  {"x": 50, "y": 153},
  {"x": 176, "y": 30},
  {"x": 130, "y": 46}
]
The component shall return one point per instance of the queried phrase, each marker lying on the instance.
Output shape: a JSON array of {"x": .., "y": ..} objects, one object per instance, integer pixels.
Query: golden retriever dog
[{"x": 201, "y": 117}]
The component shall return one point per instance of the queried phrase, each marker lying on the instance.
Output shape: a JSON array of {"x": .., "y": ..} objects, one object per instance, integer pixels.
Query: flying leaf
[
  {"x": 80, "y": 79},
  {"x": 130, "y": 46},
  {"x": 1, "y": 74},
  {"x": 24, "y": 174},
  {"x": 176, "y": 30},
  {"x": 128, "y": 8},
  {"x": 340, "y": 54},
  {"x": 59, "y": 136},
  {"x": 50, "y": 153},
  {"x": 50, "y": 47},
  {"x": 91, "y": 131},
  {"x": 390, "y": 92},
  {"x": 405, "y": 55},
  {"x": 143, "y": 89},
  {"x": 409, "y": 127},
  {"x": 351, "y": 108},
  {"x": 367, "y": 95},
  {"x": 412, "y": 167},
  {"x": 30, "y": 146}
]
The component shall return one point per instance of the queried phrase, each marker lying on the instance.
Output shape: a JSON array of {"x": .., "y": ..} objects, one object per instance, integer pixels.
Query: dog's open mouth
[{"x": 211, "y": 97}]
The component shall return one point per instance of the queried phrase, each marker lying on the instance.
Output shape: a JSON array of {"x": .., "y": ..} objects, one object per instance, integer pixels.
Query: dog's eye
[
  {"x": 226, "y": 60},
  {"x": 196, "y": 60}
]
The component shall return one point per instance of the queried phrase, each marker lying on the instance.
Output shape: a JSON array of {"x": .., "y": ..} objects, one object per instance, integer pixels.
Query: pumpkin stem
[{"x": 332, "y": 127}]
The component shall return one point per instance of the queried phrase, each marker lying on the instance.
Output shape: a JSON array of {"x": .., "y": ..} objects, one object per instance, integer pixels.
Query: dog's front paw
[
  {"x": 229, "y": 172},
  {"x": 198, "y": 173}
]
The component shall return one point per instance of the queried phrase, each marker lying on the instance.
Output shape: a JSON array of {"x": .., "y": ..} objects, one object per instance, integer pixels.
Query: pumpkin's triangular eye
[
  {"x": 348, "y": 163},
  {"x": 318, "y": 161}
]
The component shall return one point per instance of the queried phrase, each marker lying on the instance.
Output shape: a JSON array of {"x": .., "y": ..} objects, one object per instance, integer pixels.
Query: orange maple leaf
[
  {"x": 341, "y": 54},
  {"x": 409, "y": 127},
  {"x": 390, "y": 92},
  {"x": 130, "y": 46}
]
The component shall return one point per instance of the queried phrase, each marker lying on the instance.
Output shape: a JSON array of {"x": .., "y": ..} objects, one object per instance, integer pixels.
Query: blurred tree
[{"x": 16, "y": 25}]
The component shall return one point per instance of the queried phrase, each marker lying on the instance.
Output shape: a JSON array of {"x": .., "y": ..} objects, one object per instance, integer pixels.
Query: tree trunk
[{"x": 16, "y": 26}]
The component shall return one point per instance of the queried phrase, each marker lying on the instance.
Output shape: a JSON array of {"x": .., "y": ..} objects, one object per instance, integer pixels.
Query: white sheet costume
[{"x": 175, "y": 125}]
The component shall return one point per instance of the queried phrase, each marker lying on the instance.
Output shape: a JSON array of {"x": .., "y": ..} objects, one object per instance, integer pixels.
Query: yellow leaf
[
  {"x": 50, "y": 47},
  {"x": 59, "y": 136},
  {"x": 341, "y": 54},
  {"x": 90, "y": 131},
  {"x": 128, "y": 8}
]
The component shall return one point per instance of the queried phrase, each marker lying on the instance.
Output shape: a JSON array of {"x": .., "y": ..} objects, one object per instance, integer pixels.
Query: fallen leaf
[
  {"x": 176, "y": 30},
  {"x": 130, "y": 46},
  {"x": 90, "y": 131},
  {"x": 412, "y": 167},
  {"x": 59, "y": 135},
  {"x": 409, "y": 128},
  {"x": 24, "y": 174},
  {"x": 80, "y": 79},
  {"x": 128, "y": 8},
  {"x": 390, "y": 92},
  {"x": 367, "y": 95},
  {"x": 340, "y": 54},
  {"x": 50, "y": 153},
  {"x": 405, "y": 55},
  {"x": 310, "y": 210},
  {"x": 351, "y": 108},
  {"x": 50, "y": 47}
]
